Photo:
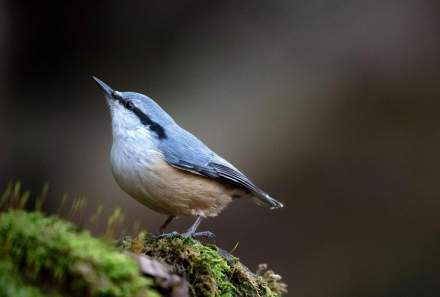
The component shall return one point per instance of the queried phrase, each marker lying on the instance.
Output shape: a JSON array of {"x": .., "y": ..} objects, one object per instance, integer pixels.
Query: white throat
[{"x": 134, "y": 151}]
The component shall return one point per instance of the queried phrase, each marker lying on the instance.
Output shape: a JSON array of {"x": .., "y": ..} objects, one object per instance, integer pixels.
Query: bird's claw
[
  {"x": 196, "y": 235},
  {"x": 167, "y": 235},
  {"x": 200, "y": 235}
]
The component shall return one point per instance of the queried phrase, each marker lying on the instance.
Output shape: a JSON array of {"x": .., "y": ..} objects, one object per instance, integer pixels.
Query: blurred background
[{"x": 330, "y": 106}]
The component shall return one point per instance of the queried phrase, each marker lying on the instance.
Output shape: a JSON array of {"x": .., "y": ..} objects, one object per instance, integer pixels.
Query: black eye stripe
[
  {"x": 146, "y": 120},
  {"x": 128, "y": 104},
  {"x": 116, "y": 95}
]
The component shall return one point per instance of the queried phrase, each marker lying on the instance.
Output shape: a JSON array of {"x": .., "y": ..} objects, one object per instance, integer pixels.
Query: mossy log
[
  {"x": 51, "y": 256},
  {"x": 209, "y": 270},
  {"x": 47, "y": 256}
]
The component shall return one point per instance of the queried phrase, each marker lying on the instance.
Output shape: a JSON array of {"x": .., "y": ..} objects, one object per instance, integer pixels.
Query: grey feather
[{"x": 184, "y": 151}]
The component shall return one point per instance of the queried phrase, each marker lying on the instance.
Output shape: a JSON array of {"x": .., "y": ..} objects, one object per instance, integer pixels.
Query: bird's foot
[
  {"x": 202, "y": 234},
  {"x": 167, "y": 235},
  {"x": 196, "y": 235}
]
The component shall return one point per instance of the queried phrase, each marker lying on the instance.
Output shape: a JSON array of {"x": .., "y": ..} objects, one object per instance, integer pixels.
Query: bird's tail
[{"x": 263, "y": 199}]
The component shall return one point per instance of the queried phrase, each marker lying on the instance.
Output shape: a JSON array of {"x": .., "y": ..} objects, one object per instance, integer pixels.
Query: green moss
[
  {"x": 12, "y": 284},
  {"x": 49, "y": 250},
  {"x": 209, "y": 271},
  {"x": 47, "y": 256}
]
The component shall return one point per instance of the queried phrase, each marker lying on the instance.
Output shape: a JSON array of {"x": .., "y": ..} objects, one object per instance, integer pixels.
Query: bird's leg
[
  {"x": 194, "y": 226},
  {"x": 191, "y": 232},
  {"x": 164, "y": 226}
]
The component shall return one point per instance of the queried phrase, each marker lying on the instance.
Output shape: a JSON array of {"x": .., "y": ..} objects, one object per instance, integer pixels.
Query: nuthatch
[{"x": 168, "y": 169}]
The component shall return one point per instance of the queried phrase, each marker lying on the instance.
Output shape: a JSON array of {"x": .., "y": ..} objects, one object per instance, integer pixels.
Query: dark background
[{"x": 330, "y": 106}]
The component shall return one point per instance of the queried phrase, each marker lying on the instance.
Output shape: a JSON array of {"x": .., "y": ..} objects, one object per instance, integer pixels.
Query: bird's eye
[
  {"x": 129, "y": 105},
  {"x": 116, "y": 95}
]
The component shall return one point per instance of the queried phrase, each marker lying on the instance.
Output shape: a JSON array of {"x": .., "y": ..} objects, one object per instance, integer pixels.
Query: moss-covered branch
[
  {"x": 209, "y": 270},
  {"x": 49, "y": 250},
  {"x": 13, "y": 284},
  {"x": 48, "y": 256}
]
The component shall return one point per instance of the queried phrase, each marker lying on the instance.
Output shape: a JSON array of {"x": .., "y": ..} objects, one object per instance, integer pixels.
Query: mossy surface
[
  {"x": 12, "y": 284},
  {"x": 48, "y": 256},
  {"x": 209, "y": 271},
  {"x": 44, "y": 250}
]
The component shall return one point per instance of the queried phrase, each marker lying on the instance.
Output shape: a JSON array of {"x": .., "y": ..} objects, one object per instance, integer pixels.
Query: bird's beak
[{"x": 107, "y": 90}]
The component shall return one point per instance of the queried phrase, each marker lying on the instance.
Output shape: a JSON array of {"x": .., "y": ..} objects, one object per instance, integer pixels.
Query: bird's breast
[
  {"x": 147, "y": 177},
  {"x": 132, "y": 161}
]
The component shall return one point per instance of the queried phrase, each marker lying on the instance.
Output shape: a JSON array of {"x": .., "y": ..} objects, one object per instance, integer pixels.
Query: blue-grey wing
[
  {"x": 182, "y": 149},
  {"x": 188, "y": 153}
]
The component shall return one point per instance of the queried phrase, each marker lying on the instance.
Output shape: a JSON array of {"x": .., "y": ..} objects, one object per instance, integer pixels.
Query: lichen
[
  {"x": 49, "y": 250},
  {"x": 209, "y": 270}
]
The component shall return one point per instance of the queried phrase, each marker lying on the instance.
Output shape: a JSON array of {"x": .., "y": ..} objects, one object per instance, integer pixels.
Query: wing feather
[
  {"x": 232, "y": 176},
  {"x": 183, "y": 150}
]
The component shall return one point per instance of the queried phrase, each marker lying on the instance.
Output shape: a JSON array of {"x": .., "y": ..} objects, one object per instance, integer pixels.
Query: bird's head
[{"x": 133, "y": 113}]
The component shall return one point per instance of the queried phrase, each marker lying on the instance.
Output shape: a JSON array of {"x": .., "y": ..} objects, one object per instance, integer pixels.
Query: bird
[{"x": 168, "y": 169}]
